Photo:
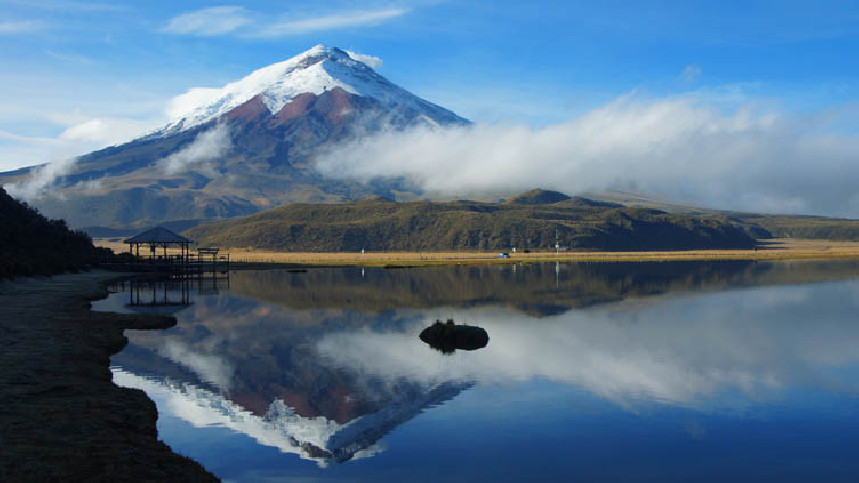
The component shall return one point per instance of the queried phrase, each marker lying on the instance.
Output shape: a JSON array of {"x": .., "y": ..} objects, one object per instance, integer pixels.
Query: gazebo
[{"x": 160, "y": 237}]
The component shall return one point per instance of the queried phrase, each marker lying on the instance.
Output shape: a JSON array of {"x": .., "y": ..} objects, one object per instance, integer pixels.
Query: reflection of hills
[
  {"x": 257, "y": 352},
  {"x": 323, "y": 364},
  {"x": 538, "y": 289},
  {"x": 314, "y": 438}
]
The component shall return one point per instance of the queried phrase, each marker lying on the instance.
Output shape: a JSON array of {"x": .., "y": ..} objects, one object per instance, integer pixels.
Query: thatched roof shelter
[{"x": 159, "y": 237}]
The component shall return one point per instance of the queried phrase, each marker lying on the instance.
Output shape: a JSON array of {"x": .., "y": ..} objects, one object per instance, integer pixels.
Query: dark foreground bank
[{"x": 61, "y": 416}]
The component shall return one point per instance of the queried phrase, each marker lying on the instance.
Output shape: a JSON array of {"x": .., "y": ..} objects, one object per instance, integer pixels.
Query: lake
[{"x": 673, "y": 371}]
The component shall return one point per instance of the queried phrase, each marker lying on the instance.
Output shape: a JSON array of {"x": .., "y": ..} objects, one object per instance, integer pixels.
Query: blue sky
[{"x": 77, "y": 75}]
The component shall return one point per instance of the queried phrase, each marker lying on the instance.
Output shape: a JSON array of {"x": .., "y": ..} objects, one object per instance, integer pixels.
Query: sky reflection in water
[{"x": 628, "y": 371}]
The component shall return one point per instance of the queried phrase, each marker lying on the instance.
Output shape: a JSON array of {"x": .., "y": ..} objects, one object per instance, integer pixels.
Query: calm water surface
[{"x": 650, "y": 371}]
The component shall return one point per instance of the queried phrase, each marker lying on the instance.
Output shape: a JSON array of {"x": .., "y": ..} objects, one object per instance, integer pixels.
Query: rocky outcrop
[{"x": 448, "y": 337}]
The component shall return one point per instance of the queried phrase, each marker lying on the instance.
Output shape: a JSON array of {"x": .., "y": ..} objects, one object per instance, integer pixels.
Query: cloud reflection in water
[{"x": 685, "y": 350}]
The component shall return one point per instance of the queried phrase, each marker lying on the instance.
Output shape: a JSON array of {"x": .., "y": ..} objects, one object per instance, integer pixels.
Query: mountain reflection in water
[{"x": 324, "y": 364}]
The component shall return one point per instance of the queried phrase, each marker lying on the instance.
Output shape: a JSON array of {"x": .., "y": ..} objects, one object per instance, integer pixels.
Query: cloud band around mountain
[{"x": 678, "y": 148}]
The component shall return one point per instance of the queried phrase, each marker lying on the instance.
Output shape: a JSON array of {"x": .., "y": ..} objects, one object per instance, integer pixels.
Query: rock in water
[{"x": 447, "y": 337}]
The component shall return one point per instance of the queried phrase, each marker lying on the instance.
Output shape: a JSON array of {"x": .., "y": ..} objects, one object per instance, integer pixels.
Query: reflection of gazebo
[
  {"x": 164, "y": 297},
  {"x": 159, "y": 237}
]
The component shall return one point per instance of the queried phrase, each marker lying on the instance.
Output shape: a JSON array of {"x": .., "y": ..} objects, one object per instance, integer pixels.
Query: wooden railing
[{"x": 173, "y": 262}]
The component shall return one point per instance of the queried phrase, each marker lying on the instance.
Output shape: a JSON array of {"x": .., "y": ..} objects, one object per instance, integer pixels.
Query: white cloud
[
  {"x": 679, "y": 148},
  {"x": 237, "y": 20},
  {"x": 757, "y": 343},
  {"x": 371, "y": 61},
  {"x": 80, "y": 134},
  {"x": 21, "y": 26},
  {"x": 105, "y": 131},
  {"x": 37, "y": 110},
  {"x": 209, "y": 21},
  {"x": 206, "y": 147}
]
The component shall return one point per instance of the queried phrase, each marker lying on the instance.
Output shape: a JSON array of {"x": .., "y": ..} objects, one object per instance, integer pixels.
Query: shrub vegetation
[{"x": 31, "y": 244}]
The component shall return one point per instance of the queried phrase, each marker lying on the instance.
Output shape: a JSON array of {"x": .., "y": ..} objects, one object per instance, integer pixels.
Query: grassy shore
[
  {"x": 61, "y": 416},
  {"x": 774, "y": 249}
]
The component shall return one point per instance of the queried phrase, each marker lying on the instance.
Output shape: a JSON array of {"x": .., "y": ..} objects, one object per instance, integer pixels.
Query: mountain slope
[
  {"x": 240, "y": 149},
  {"x": 384, "y": 226}
]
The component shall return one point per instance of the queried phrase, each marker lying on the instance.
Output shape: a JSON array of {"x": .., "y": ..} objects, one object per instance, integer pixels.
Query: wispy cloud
[
  {"x": 105, "y": 131},
  {"x": 739, "y": 344},
  {"x": 198, "y": 155},
  {"x": 58, "y": 154},
  {"x": 372, "y": 61},
  {"x": 79, "y": 134},
  {"x": 329, "y": 22},
  {"x": 691, "y": 73},
  {"x": 21, "y": 26},
  {"x": 236, "y": 20},
  {"x": 68, "y": 5},
  {"x": 10, "y": 136},
  {"x": 209, "y": 21},
  {"x": 70, "y": 58},
  {"x": 42, "y": 180}
]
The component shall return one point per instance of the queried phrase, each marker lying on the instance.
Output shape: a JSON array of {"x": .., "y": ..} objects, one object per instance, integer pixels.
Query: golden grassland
[{"x": 773, "y": 249}]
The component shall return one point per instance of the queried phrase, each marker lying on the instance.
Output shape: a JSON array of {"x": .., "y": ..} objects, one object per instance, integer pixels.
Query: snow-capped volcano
[
  {"x": 315, "y": 71},
  {"x": 235, "y": 150}
]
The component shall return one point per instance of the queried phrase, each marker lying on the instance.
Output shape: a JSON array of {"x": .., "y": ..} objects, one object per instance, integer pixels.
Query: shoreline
[
  {"x": 63, "y": 418},
  {"x": 61, "y": 415},
  {"x": 772, "y": 249},
  {"x": 777, "y": 249}
]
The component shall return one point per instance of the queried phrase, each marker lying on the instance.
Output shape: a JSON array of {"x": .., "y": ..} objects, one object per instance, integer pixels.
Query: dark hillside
[
  {"x": 469, "y": 225},
  {"x": 538, "y": 197},
  {"x": 757, "y": 225},
  {"x": 31, "y": 244}
]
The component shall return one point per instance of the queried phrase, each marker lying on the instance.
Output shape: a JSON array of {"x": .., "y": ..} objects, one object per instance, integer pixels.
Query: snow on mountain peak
[{"x": 316, "y": 70}]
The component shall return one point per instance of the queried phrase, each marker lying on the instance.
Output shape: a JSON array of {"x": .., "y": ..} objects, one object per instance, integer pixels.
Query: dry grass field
[{"x": 774, "y": 249}]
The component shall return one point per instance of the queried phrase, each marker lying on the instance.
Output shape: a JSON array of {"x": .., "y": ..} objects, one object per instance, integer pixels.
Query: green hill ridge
[{"x": 533, "y": 220}]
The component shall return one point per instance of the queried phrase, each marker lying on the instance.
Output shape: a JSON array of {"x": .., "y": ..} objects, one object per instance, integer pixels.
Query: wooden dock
[{"x": 189, "y": 264}]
